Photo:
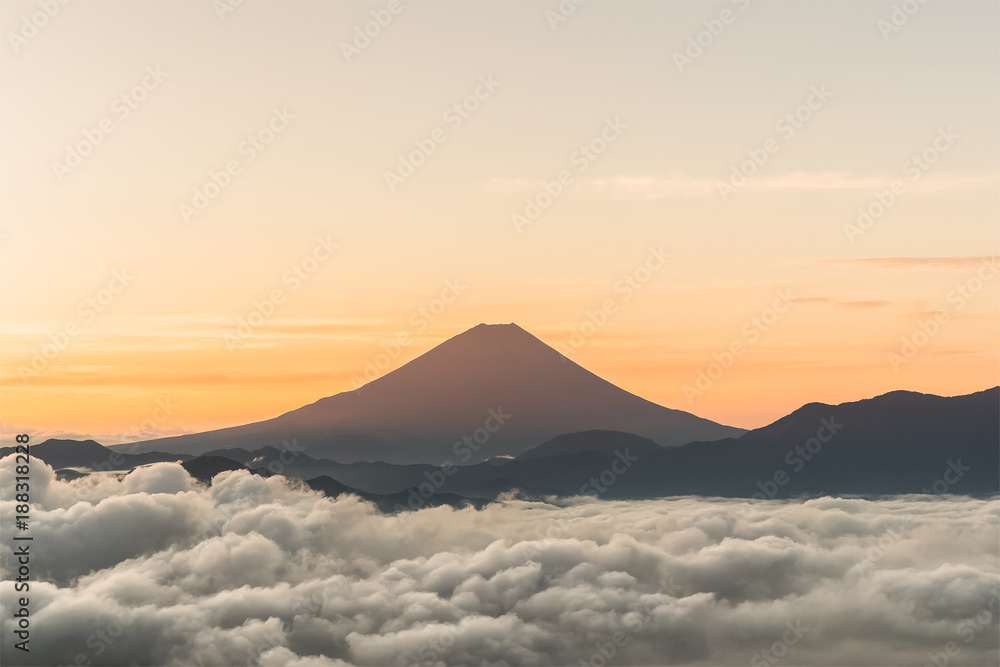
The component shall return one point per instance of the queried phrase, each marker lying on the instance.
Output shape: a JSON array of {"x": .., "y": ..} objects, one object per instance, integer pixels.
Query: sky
[{"x": 213, "y": 213}]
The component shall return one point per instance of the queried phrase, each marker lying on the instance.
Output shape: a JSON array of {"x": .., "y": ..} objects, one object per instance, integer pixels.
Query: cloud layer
[
  {"x": 158, "y": 569},
  {"x": 663, "y": 186}
]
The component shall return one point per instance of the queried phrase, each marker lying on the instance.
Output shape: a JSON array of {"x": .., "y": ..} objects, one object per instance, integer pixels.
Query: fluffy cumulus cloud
[{"x": 155, "y": 568}]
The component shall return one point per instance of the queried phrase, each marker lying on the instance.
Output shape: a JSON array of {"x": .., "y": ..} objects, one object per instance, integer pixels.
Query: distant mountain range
[
  {"x": 595, "y": 442},
  {"x": 204, "y": 468},
  {"x": 411, "y": 499},
  {"x": 89, "y": 454},
  {"x": 900, "y": 442},
  {"x": 494, "y": 390}
]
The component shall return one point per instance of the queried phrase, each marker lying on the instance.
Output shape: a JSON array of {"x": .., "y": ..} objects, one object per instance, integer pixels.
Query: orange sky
[{"x": 261, "y": 110}]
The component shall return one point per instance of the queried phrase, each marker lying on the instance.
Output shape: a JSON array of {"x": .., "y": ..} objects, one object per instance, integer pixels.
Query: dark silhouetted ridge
[{"x": 493, "y": 376}]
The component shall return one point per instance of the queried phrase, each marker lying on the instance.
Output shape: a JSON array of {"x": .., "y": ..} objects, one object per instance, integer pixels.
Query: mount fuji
[{"x": 494, "y": 390}]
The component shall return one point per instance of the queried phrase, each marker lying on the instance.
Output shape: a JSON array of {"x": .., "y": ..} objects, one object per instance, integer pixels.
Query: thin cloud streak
[
  {"x": 853, "y": 305},
  {"x": 949, "y": 263},
  {"x": 658, "y": 186}
]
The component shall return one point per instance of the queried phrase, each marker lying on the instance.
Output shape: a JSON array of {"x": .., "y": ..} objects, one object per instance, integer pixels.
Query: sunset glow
[{"x": 753, "y": 171}]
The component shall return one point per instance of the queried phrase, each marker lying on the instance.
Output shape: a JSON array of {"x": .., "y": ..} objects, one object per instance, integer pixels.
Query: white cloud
[
  {"x": 663, "y": 186},
  {"x": 264, "y": 571}
]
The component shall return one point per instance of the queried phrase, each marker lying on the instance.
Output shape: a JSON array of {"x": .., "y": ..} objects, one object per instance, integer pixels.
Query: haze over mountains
[
  {"x": 492, "y": 380},
  {"x": 61, "y": 453},
  {"x": 900, "y": 442},
  {"x": 495, "y": 410}
]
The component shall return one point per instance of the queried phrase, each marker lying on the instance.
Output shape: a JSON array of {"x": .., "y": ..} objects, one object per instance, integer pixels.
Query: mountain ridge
[
  {"x": 419, "y": 411},
  {"x": 899, "y": 442}
]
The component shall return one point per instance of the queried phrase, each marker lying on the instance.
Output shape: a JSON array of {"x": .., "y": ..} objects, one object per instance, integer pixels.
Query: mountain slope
[
  {"x": 600, "y": 442},
  {"x": 492, "y": 390},
  {"x": 204, "y": 468},
  {"x": 89, "y": 454},
  {"x": 396, "y": 502},
  {"x": 901, "y": 442}
]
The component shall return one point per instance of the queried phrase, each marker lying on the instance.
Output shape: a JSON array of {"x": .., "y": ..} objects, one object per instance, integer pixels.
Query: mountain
[
  {"x": 67, "y": 453},
  {"x": 373, "y": 477},
  {"x": 68, "y": 474},
  {"x": 494, "y": 390},
  {"x": 89, "y": 454},
  {"x": 348, "y": 447},
  {"x": 900, "y": 442},
  {"x": 600, "y": 442},
  {"x": 235, "y": 454},
  {"x": 204, "y": 468},
  {"x": 411, "y": 499}
]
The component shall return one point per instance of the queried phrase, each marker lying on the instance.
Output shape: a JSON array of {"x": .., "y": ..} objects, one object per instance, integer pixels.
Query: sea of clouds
[{"x": 157, "y": 569}]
